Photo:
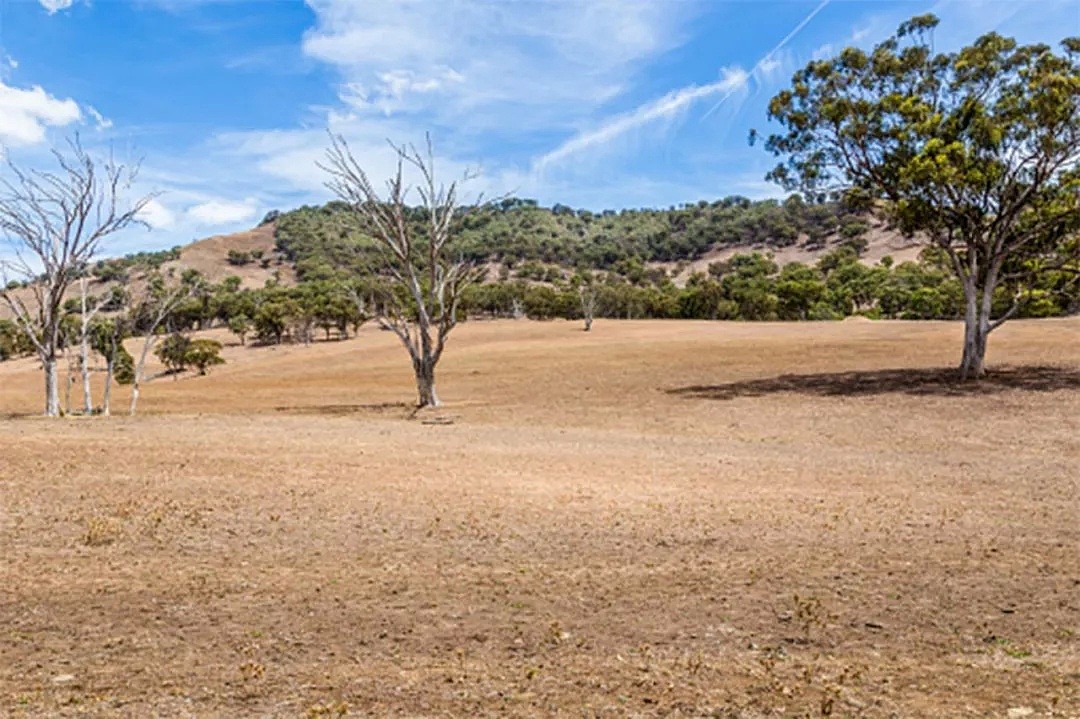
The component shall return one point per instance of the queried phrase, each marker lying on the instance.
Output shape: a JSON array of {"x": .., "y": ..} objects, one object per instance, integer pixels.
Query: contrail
[
  {"x": 779, "y": 46},
  {"x": 732, "y": 81},
  {"x": 667, "y": 106}
]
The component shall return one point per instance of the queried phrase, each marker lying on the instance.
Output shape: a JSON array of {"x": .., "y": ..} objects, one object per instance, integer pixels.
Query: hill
[{"x": 520, "y": 239}]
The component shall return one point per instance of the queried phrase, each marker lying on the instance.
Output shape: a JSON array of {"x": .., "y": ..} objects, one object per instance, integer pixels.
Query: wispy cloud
[
  {"x": 482, "y": 65},
  {"x": 670, "y": 105},
  {"x": 223, "y": 212},
  {"x": 769, "y": 64},
  {"x": 157, "y": 215},
  {"x": 666, "y": 107},
  {"x": 100, "y": 121}
]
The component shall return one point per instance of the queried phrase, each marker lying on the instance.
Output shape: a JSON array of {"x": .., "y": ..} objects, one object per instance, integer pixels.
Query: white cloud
[
  {"x": 484, "y": 64},
  {"x": 157, "y": 215},
  {"x": 223, "y": 212},
  {"x": 24, "y": 114},
  {"x": 52, "y": 6}
]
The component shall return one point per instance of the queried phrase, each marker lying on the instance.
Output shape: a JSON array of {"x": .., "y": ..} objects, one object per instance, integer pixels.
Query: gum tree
[{"x": 977, "y": 152}]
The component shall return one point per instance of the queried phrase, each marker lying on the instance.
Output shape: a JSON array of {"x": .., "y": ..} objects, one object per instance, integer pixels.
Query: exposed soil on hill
[
  {"x": 210, "y": 257},
  {"x": 677, "y": 519}
]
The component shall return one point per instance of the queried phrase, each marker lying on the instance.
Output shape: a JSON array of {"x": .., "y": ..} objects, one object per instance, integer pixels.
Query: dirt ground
[{"x": 652, "y": 519}]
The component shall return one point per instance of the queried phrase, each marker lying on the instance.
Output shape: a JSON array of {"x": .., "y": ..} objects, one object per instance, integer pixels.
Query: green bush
[{"x": 203, "y": 354}]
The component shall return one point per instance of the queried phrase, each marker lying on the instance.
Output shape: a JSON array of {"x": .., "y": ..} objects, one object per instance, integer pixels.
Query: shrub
[
  {"x": 203, "y": 354},
  {"x": 238, "y": 258},
  {"x": 173, "y": 352}
]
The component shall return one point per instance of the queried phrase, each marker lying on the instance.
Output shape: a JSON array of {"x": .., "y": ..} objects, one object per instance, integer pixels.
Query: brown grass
[{"x": 651, "y": 519}]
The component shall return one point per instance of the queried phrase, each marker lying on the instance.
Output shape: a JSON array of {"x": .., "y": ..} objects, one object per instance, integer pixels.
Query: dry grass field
[{"x": 678, "y": 519}]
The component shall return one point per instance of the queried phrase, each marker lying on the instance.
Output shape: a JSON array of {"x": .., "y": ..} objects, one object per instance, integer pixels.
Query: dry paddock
[{"x": 652, "y": 519}]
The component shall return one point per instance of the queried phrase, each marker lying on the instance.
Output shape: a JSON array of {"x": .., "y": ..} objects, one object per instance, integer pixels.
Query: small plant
[
  {"x": 101, "y": 531},
  {"x": 252, "y": 671},
  {"x": 328, "y": 710}
]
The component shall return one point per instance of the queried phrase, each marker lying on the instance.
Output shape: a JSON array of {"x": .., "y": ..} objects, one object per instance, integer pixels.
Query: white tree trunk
[
  {"x": 106, "y": 396},
  {"x": 69, "y": 380},
  {"x": 84, "y": 359},
  {"x": 52, "y": 388},
  {"x": 134, "y": 395}
]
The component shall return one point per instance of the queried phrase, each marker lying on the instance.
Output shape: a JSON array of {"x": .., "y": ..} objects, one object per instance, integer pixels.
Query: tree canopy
[{"x": 977, "y": 151}]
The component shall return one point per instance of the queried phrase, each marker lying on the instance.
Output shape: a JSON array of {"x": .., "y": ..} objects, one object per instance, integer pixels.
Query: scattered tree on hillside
[
  {"x": 240, "y": 325},
  {"x": 173, "y": 353},
  {"x": 426, "y": 276},
  {"x": 978, "y": 151},
  {"x": 88, "y": 309},
  {"x": 57, "y": 221},
  {"x": 148, "y": 314},
  {"x": 179, "y": 352},
  {"x": 202, "y": 354},
  {"x": 107, "y": 339}
]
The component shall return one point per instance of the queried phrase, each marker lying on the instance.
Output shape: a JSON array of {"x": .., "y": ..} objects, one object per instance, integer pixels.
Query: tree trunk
[
  {"x": 84, "y": 358},
  {"x": 134, "y": 395},
  {"x": 52, "y": 388},
  {"x": 588, "y": 322},
  {"x": 425, "y": 383},
  {"x": 971, "y": 365},
  {"x": 107, "y": 394},
  {"x": 68, "y": 385},
  {"x": 976, "y": 329}
]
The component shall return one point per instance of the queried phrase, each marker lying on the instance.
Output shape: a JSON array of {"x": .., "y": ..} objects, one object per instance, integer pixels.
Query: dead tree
[
  {"x": 426, "y": 280},
  {"x": 56, "y": 221},
  {"x": 587, "y": 297}
]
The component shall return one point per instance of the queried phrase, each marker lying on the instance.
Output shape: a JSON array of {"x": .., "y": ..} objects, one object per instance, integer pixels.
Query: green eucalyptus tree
[{"x": 976, "y": 151}]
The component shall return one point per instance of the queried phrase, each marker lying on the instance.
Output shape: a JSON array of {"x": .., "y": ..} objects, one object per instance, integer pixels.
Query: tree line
[{"x": 973, "y": 154}]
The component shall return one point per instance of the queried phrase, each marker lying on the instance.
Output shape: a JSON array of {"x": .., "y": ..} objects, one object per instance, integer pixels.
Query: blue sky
[{"x": 592, "y": 103}]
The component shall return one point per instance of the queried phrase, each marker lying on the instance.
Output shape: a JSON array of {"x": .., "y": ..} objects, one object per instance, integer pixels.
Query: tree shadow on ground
[
  {"x": 930, "y": 381},
  {"x": 341, "y": 410}
]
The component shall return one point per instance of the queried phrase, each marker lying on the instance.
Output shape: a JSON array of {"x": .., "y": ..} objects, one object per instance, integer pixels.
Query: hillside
[
  {"x": 730, "y": 259},
  {"x": 520, "y": 239},
  {"x": 210, "y": 256}
]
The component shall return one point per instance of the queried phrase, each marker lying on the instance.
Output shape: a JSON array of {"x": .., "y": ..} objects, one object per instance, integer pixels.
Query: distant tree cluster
[
  {"x": 754, "y": 287},
  {"x": 119, "y": 269},
  {"x": 518, "y": 233}
]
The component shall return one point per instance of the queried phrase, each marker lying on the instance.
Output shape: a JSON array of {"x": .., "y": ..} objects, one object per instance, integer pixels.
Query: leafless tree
[
  {"x": 517, "y": 309},
  {"x": 56, "y": 221},
  {"x": 421, "y": 307},
  {"x": 587, "y": 298}
]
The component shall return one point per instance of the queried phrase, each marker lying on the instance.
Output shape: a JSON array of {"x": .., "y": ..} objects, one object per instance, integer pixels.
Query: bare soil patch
[{"x": 593, "y": 535}]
